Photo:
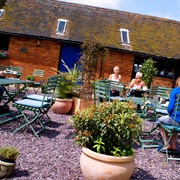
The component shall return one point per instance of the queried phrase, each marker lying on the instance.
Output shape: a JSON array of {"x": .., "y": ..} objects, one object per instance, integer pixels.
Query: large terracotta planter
[
  {"x": 80, "y": 104},
  {"x": 103, "y": 167},
  {"x": 62, "y": 106}
]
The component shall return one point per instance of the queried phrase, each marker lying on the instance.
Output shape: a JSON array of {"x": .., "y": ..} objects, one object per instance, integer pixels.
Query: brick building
[{"x": 38, "y": 33}]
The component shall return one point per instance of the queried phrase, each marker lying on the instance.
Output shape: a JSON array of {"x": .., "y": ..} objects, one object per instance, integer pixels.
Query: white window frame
[
  {"x": 1, "y": 12},
  {"x": 127, "y": 37},
  {"x": 64, "y": 29}
]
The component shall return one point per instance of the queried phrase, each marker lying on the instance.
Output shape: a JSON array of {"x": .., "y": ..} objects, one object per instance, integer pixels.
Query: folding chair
[
  {"x": 37, "y": 85},
  {"x": 101, "y": 91},
  {"x": 150, "y": 112},
  {"x": 38, "y": 97},
  {"x": 160, "y": 93},
  {"x": 38, "y": 108},
  {"x": 172, "y": 130},
  {"x": 119, "y": 86}
]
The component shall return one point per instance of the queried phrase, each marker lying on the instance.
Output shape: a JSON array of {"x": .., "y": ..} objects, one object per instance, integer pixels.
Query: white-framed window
[
  {"x": 61, "y": 27},
  {"x": 1, "y": 12},
  {"x": 125, "y": 36}
]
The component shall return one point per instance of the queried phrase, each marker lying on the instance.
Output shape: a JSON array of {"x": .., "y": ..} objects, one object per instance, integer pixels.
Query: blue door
[{"x": 70, "y": 53}]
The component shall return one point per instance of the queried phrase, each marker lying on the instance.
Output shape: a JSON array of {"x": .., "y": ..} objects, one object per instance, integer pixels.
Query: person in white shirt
[{"x": 115, "y": 77}]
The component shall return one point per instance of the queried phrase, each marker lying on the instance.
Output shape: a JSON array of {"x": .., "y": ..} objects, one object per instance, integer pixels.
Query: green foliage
[
  {"x": 69, "y": 82},
  {"x": 9, "y": 152},
  {"x": 30, "y": 77},
  {"x": 148, "y": 70},
  {"x": 107, "y": 128}
]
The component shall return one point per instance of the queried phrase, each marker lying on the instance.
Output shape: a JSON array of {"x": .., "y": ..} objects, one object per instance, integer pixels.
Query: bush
[
  {"x": 9, "y": 152},
  {"x": 107, "y": 128}
]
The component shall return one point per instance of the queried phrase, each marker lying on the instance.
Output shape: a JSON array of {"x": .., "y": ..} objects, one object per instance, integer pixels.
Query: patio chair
[
  {"x": 37, "y": 108},
  {"x": 150, "y": 112},
  {"x": 36, "y": 85},
  {"x": 119, "y": 86},
  {"x": 101, "y": 91},
  {"x": 171, "y": 155}
]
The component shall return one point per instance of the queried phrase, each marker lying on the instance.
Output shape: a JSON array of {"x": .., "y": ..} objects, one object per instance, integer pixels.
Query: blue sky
[{"x": 169, "y": 9}]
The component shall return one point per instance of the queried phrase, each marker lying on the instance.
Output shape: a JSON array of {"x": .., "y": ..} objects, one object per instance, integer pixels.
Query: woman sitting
[
  {"x": 115, "y": 77},
  {"x": 169, "y": 119},
  {"x": 136, "y": 84}
]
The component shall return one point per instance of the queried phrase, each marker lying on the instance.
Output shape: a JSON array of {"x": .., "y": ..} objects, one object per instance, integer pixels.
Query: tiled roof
[{"x": 148, "y": 34}]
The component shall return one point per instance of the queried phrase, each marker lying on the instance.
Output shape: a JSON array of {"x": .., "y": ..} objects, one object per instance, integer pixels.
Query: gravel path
[{"x": 55, "y": 157}]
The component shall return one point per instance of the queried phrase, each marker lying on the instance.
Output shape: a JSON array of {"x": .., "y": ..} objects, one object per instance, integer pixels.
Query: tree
[
  {"x": 92, "y": 54},
  {"x": 148, "y": 70}
]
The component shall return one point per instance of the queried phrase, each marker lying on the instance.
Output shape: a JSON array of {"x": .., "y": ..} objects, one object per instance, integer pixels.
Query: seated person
[
  {"x": 115, "y": 77},
  {"x": 169, "y": 119},
  {"x": 137, "y": 84}
]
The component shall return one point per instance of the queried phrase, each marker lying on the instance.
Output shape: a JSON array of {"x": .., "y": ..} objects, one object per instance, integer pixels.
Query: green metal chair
[
  {"x": 119, "y": 86},
  {"x": 36, "y": 85},
  {"x": 172, "y": 130},
  {"x": 159, "y": 92},
  {"x": 151, "y": 111},
  {"x": 101, "y": 91},
  {"x": 38, "y": 108}
]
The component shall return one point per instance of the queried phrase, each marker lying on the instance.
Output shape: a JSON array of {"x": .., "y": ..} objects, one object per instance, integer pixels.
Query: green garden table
[
  {"x": 5, "y": 82},
  {"x": 10, "y": 97}
]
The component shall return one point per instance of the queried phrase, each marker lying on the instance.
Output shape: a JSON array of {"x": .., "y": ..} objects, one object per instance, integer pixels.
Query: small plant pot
[
  {"x": 7, "y": 160},
  {"x": 6, "y": 168}
]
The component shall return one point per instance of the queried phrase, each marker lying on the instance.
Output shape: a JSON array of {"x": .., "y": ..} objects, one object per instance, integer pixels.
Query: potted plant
[
  {"x": 8, "y": 156},
  {"x": 91, "y": 63},
  {"x": 30, "y": 77},
  {"x": 106, "y": 132},
  {"x": 148, "y": 70},
  {"x": 66, "y": 89}
]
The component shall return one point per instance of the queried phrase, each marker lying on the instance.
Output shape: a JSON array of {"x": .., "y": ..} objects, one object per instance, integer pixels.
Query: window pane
[
  {"x": 124, "y": 34},
  {"x": 61, "y": 27}
]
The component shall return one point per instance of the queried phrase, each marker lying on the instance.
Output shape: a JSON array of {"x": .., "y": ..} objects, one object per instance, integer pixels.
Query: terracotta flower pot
[
  {"x": 62, "y": 106},
  {"x": 103, "y": 167},
  {"x": 80, "y": 104}
]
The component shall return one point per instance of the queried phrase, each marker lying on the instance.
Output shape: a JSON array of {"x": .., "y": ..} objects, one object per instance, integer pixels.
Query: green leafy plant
[
  {"x": 148, "y": 70},
  {"x": 9, "y": 152},
  {"x": 108, "y": 128},
  {"x": 30, "y": 77},
  {"x": 69, "y": 81}
]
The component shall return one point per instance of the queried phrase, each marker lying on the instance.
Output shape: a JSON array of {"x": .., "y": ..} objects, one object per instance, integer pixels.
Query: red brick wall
[
  {"x": 159, "y": 81},
  {"x": 44, "y": 56}
]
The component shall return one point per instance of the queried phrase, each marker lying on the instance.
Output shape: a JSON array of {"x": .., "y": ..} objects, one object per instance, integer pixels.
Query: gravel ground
[{"x": 55, "y": 157}]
